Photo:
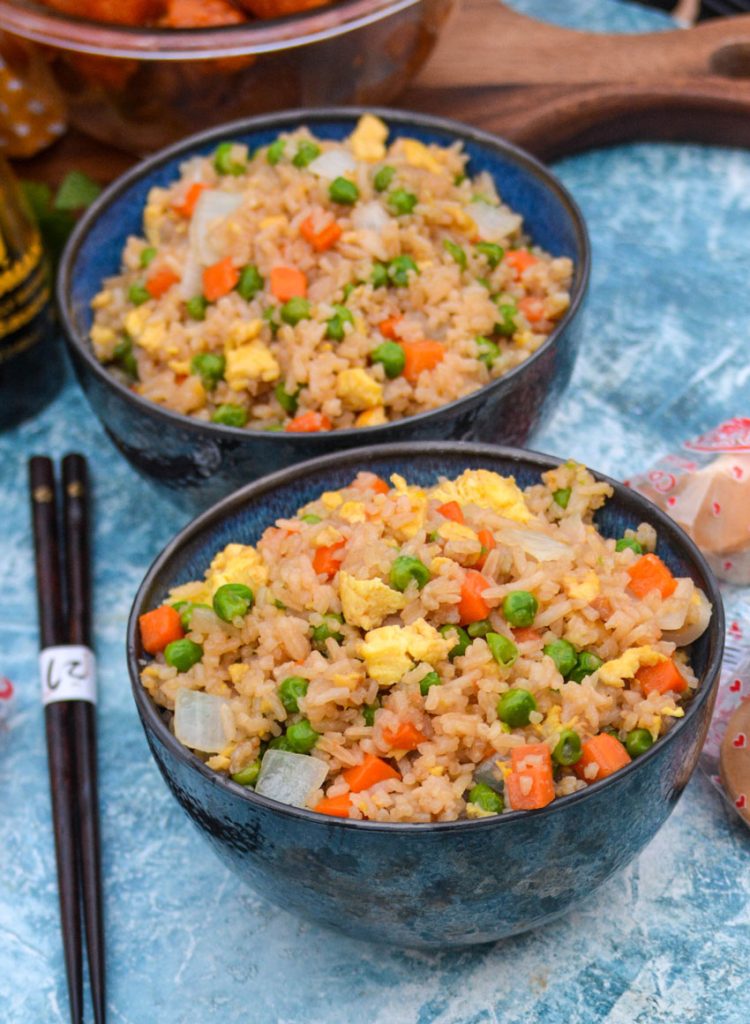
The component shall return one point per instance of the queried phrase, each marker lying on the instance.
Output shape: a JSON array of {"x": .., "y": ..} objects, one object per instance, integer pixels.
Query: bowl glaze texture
[
  {"x": 208, "y": 459},
  {"x": 441, "y": 884},
  {"x": 142, "y": 88}
]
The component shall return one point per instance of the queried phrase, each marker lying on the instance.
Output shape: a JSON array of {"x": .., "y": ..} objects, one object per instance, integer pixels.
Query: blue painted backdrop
[{"x": 668, "y": 940}]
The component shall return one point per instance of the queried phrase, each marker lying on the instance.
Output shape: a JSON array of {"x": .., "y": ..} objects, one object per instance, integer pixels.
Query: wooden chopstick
[
  {"x": 57, "y": 717},
  {"x": 78, "y": 600}
]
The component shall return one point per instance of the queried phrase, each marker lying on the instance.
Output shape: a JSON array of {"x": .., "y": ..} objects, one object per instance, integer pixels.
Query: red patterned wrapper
[
  {"x": 7, "y": 692},
  {"x": 706, "y": 489}
]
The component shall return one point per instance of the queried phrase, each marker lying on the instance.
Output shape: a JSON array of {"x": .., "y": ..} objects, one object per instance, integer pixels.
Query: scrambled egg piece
[
  {"x": 277, "y": 221},
  {"x": 390, "y": 651},
  {"x": 241, "y": 332},
  {"x": 372, "y": 417},
  {"x": 418, "y": 500},
  {"x": 456, "y": 531},
  {"x": 331, "y": 499},
  {"x": 582, "y": 590},
  {"x": 135, "y": 322},
  {"x": 616, "y": 671},
  {"x": 250, "y": 362},
  {"x": 475, "y": 811},
  {"x": 368, "y": 138},
  {"x": 327, "y": 536},
  {"x": 153, "y": 336},
  {"x": 461, "y": 219},
  {"x": 418, "y": 155},
  {"x": 487, "y": 490},
  {"x": 366, "y": 603},
  {"x": 353, "y": 512},
  {"x": 237, "y": 563},
  {"x": 237, "y": 672},
  {"x": 152, "y": 217},
  {"x": 357, "y": 389},
  {"x": 104, "y": 341}
]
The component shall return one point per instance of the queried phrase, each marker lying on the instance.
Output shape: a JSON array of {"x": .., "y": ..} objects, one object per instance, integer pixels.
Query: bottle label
[
  {"x": 68, "y": 672},
  {"x": 24, "y": 303}
]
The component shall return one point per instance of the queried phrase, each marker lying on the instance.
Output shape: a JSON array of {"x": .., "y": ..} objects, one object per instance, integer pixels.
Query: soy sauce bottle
[{"x": 31, "y": 369}]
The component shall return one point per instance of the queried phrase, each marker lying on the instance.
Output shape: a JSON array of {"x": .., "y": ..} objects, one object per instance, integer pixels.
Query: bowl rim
[
  {"x": 151, "y": 719},
  {"x": 103, "y": 39},
  {"x": 282, "y": 120}
]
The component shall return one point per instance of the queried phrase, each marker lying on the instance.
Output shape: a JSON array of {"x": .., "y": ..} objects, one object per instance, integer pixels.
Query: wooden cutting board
[{"x": 552, "y": 90}]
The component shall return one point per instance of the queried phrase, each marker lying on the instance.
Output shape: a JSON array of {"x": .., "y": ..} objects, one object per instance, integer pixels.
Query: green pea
[
  {"x": 138, "y": 293},
  {"x": 311, "y": 518},
  {"x": 586, "y": 665},
  {"x": 368, "y": 713},
  {"x": 561, "y": 496},
  {"x": 506, "y": 324},
  {"x": 229, "y": 415},
  {"x": 379, "y": 276},
  {"x": 515, "y": 707},
  {"x": 488, "y": 351},
  {"x": 568, "y": 748},
  {"x": 503, "y": 650},
  {"x": 196, "y": 307},
  {"x": 405, "y": 569},
  {"x": 392, "y": 357},
  {"x": 224, "y": 161},
  {"x": 272, "y": 428},
  {"x": 269, "y": 315},
  {"x": 455, "y": 252},
  {"x": 279, "y": 743},
  {"x": 294, "y": 310},
  {"x": 250, "y": 282},
  {"x": 287, "y": 400},
  {"x": 279, "y": 604},
  {"x": 638, "y": 741},
  {"x": 431, "y": 679},
  {"x": 275, "y": 151},
  {"x": 148, "y": 255},
  {"x": 301, "y": 737},
  {"x": 459, "y": 179},
  {"x": 325, "y": 631},
  {"x": 210, "y": 368},
  {"x": 462, "y": 640},
  {"x": 306, "y": 153},
  {"x": 124, "y": 357},
  {"x": 564, "y": 655},
  {"x": 481, "y": 628},
  {"x": 491, "y": 251},
  {"x": 343, "y": 191},
  {"x": 486, "y": 798},
  {"x": 186, "y": 609},
  {"x": 290, "y": 691},
  {"x": 232, "y": 601},
  {"x": 183, "y": 654},
  {"x": 484, "y": 283},
  {"x": 520, "y": 608},
  {"x": 348, "y": 289},
  {"x": 248, "y": 775},
  {"x": 335, "y": 326},
  {"x": 383, "y": 178},
  {"x": 398, "y": 270},
  {"x": 629, "y": 542},
  {"x": 402, "y": 202}
]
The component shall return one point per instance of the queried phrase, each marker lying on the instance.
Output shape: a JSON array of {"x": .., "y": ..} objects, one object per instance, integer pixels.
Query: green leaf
[
  {"x": 38, "y": 196},
  {"x": 76, "y": 192}
]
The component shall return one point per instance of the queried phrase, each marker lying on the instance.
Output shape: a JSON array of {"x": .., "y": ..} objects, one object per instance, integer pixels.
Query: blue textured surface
[{"x": 665, "y": 942}]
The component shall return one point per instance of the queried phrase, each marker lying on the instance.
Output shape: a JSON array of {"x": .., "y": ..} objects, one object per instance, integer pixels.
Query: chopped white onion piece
[
  {"x": 494, "y": 222},
  {"x": 534, "y": 543},
  {"x": 674, "y": 609},
  {"x": 213, "y": 205},
  {"x": 695, "y": 625},
  {"x": 370, "y": 217},
  {"x": 334, "y": 163},
  {"x": 290, "y": 778},
  {"x": 200, "y": 721}
]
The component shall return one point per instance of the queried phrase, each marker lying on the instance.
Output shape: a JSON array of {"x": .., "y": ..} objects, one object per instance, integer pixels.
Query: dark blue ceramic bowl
[
  {"x": 211, "y": 459},
  {"x": 442, "y": 884}
]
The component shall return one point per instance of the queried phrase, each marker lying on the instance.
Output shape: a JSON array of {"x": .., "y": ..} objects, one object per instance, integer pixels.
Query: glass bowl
[{"x": 139, "y": 89}]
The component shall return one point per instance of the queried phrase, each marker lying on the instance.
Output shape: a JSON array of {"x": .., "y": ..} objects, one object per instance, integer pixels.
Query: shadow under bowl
[
  {"x": 447, "y": 883},
  {"x": 207, "y": 459}
]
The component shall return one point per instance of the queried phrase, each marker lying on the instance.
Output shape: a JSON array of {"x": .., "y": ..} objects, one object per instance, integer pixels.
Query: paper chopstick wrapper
[{"x": 705, "y": 488}]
